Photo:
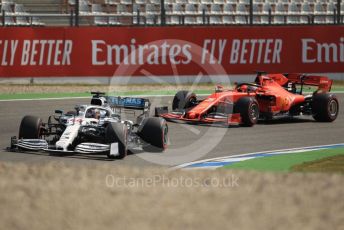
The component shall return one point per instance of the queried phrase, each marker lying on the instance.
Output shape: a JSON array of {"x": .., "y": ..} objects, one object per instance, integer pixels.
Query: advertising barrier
[{"x": 166, "y": 51}]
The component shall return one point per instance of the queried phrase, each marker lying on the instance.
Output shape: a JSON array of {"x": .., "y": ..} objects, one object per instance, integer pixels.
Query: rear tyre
[
  {"x": 154, "y": 130},
  {"x": 249, "y": 111},
  {"x": 30, "y": 128},
  {"x": 183, "y": 100},
  {"x": 117, "y": 132},
  {"x": 325, "y": 107}
]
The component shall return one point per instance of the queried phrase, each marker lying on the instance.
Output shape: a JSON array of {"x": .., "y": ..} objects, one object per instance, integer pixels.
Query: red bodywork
[{"x": 272, "y": 96}]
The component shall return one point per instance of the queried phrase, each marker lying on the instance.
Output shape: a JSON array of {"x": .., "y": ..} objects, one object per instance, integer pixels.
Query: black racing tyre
[
  {"x": 249, "y": 111},
  {"x": 183, "y": 100},
  {"x": 154, "y": 130},
  {"x": 325, "y": 107},
  {"x": 117, "y": 132},
  {"x": 30, "y": 128}
]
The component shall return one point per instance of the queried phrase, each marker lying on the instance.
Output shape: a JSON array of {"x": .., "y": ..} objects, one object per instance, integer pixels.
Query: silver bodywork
[{"x": 86, "y": 119}]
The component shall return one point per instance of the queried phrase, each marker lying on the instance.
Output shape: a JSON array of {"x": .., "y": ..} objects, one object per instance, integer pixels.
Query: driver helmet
[
  {"x": 244, "y": 88},
  {"x": 96, "y": 113},
  {"x": 218, "y": 88}
]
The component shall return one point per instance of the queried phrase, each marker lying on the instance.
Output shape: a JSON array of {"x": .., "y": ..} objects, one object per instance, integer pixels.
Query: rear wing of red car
[{"x": 323, "y": 83}]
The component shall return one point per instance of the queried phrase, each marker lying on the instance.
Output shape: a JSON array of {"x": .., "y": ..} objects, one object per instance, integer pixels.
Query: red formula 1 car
[{"x": 270, "y": 96}]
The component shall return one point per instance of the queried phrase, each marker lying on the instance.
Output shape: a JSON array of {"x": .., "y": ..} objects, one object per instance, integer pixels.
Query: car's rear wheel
[
  {"x": 30, "y": 128},
  {"x": 154, "y": 131},
  {"x": 325, "y": 107},
  {"x": 183, "y": 100},
  {"x": 249, "y": 111},
  {"x": 117, "y": 132}
]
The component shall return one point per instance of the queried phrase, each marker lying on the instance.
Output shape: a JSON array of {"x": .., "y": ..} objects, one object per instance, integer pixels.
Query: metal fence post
[
  {"x": 162, "y": 13},
  {"x": 77, "y": 12},
  {"x": 270, "y": 17},
  {"x": 3, "y": 18},
  {"x": 251, "y": 12},
  {"x": 338, "y": 12},
  {"x": 138, "y": 17},
  {"x": 71, "y": 20}
]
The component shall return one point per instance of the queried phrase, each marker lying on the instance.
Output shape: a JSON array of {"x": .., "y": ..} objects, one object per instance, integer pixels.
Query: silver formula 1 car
[{"x": 95, "y": 128}]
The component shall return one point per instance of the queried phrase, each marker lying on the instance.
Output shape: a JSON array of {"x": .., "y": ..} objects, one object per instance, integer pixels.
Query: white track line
[{"x": 253, "y": 153}]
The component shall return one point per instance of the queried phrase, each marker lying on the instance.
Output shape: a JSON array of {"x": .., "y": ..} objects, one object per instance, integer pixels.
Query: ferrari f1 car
[
  {"x": 270, "y": 96},
  {"x": 95, "y": 128}
]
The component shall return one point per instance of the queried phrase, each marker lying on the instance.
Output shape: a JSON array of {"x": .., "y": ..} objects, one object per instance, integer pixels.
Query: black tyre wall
[
  {"x": 320, "y": 107},
  {"x": 182, "y": 100},
  {"x": 154, "y": 130},
  {"x": 30, "y": 127},
  {"x": 244, "y": 106},
  {"x": 117, "y": 132}
]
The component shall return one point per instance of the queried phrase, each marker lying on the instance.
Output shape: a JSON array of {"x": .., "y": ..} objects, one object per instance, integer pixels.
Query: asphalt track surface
[{"x": 186, "y": 141}]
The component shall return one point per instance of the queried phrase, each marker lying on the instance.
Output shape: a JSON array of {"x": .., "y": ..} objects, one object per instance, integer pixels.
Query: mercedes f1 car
[
  {"x": 95, "y": 128},
  {"x": 270, "y": 96}
]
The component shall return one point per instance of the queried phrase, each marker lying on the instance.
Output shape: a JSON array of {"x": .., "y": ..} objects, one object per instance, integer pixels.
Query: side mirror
[{"x": 58, "y": 111}]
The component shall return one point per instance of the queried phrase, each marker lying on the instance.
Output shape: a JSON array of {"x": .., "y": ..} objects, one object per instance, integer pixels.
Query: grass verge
[
  {"x": 285, "y": 162},
  {"x": 87, "y": 94},
  {"x": 334, "y": 164},
  {"x": 168, "y": 92}
]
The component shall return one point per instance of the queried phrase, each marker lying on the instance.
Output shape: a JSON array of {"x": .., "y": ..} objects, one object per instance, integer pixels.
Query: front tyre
[
  {"x": 249, "y": 111},
  {"x": 325, "y": 107},
  {"x": 154, "y": 131},
  {"x": 117, "y": 132},
  {"x": 183, "y": 100},
  {"x": 30, "y": 128}
]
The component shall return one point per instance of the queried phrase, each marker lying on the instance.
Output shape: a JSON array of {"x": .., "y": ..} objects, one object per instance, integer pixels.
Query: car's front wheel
[
  {"x": 117, "y": 133},
  {"x": 154, "y": 131},
  {"x": 249, "y": 111},
  {"x": 183, "y": 100},
  {"x": 30, "y": 128}
]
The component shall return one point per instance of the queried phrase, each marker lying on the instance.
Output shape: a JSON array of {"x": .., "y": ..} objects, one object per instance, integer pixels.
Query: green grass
[
  {"x": 338, "y": 83},
  {"x": 334, "y": 164},
  {"x": 40, "y": 95},
  {"x": 284, "y": 162},
  {"x": 334, "y": 88},
  {"x": 13, "y": 96},
  {"x": 87, "y": 94}
]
